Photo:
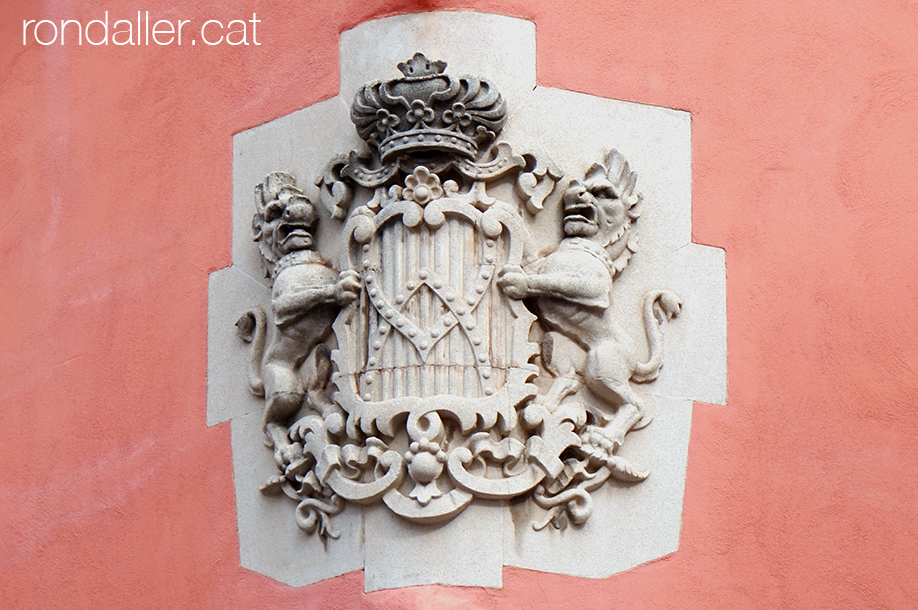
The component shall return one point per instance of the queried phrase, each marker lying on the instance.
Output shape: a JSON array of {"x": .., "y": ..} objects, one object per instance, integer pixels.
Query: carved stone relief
[{"x": 441, "y": 328}]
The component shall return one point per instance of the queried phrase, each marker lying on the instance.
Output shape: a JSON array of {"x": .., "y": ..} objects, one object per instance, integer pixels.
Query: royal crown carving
[
  {"x": 421, "y": 369},
  {"x": 428, "y": 110}
]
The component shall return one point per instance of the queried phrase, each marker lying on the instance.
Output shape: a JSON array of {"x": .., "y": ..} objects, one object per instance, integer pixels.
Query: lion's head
[
  {"x": 603, "y": 206},
  {"x": 285, "y": 220}
]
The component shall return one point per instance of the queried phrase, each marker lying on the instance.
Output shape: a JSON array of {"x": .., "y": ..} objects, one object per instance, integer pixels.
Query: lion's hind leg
[
  {"x": 630, "y": 413},
  {"x": 284, "y": 393},
  {"x": 608, "y": 376},
  {"x": 280, "y": 407},
  {"x": 316, "y": 396}
]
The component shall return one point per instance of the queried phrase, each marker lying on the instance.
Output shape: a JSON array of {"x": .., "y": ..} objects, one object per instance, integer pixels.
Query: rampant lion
[
  {"x": 307, "y": 294},
  {"x": 572, "y": 291}
]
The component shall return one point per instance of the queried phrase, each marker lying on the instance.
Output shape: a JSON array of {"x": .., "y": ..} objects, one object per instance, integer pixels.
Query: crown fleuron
[{"x": 428, "y": 111}]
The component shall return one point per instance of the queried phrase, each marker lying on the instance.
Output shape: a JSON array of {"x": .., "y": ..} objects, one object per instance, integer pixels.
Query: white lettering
[
  {"x": 129, "y": 31},
  {"x": 180, "y": 24},
  {"x": 79, "y": 30},
  {"x": 254, "y": 21},
  {"x": 165, "y": 32},
  {"x": 231, "y": 32},
  {"x": 202, "y": 32},
  {"x": 53, "y": 25},
  {"x": 104, "y": 25},
  {"x": 25, "y": 25},
  {"x": 170, "y": 31}
]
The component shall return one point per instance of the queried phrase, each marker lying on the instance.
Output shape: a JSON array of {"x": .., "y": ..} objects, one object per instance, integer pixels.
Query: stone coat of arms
[
  {"x": 444, "y": 324},
  {"x": 429, "y": 398}
]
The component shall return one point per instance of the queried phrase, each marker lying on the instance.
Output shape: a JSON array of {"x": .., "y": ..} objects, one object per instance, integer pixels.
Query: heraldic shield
[
  {"x": 432, "y": 342},
  {"x": 434, "y": 375}
]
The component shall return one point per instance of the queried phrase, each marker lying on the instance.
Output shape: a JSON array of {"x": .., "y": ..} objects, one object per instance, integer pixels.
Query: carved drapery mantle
[{"x": 433, "y": 327}]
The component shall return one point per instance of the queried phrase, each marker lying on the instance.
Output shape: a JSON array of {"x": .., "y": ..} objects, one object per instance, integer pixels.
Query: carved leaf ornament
[{"x": 430, "y": 386}]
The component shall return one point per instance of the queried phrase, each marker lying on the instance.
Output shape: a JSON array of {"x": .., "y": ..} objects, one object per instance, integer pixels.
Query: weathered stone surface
[
  {"x": 230, "y": 293},
  {"x": 486, "y": 324},
  {"x": 300, "y": 144},
  {"x": 575, "y": 130},
  {"x": 467, "y": 552},
  {"x": 696, "y": 348},
  {"x": 496, "y": 47},
  {"x": 631, "y": 523},
  {"x": 269, "y": 540}
]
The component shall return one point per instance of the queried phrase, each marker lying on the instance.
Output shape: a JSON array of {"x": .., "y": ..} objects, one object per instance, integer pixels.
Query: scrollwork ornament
[
  {"x": 335, "y": 191},
  {"x": 410, "y": 372}
]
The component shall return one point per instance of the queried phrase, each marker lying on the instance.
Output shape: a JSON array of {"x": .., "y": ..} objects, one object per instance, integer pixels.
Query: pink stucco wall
[{"x": 115, "y": 189}]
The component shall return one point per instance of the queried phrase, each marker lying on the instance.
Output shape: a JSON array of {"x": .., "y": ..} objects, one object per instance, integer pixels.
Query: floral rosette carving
[{"x": 421, "y": 186}]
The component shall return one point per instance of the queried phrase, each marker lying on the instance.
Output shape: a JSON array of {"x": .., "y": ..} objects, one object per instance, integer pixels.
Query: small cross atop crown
[{"x": 419, "y": 66}]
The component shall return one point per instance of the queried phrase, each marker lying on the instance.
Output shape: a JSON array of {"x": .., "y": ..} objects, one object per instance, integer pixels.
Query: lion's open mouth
[
  {"x": 580, "y": 211},
  {"x": 289, "y": 231}
]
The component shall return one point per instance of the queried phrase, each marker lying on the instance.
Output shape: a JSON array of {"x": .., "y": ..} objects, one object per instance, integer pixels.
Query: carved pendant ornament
[{"x": 421, "y": 369}]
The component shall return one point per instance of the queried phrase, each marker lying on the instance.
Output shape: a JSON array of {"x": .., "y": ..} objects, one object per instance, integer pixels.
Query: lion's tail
[
  {"x": 252, "y": 327},
  {"x": 659, "y": 306}
]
